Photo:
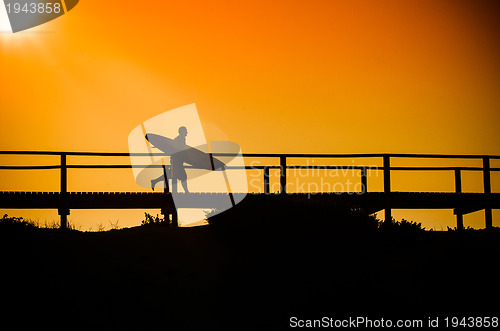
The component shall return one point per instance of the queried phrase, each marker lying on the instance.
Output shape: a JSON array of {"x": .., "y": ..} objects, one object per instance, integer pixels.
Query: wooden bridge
[{"x": 461, "y": 203}]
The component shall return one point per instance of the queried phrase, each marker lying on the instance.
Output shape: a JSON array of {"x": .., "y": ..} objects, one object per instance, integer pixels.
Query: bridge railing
[{"x": 386, "y": 168}]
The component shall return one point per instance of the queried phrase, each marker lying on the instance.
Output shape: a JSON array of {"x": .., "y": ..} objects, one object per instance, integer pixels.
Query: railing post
[
  {"x": 64, "y": 174},
  {"x": 387, "y": 174},
  {"x": 283, "y": 174},
  {"x": 387, "y": 185},
  {"x": 458, "y": 189},
  {"x": 458, "y": 181},
  {"x": 364, "y": 181},
  {"x": 487, "y": 190},
  {"x": 266, "y": 180},
  {"x": 63, "y": 211}
]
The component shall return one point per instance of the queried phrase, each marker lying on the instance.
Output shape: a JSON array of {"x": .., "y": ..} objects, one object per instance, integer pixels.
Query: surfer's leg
[
  {"x": 174, "y": 185},
  {"x": 185, "y": 186}
]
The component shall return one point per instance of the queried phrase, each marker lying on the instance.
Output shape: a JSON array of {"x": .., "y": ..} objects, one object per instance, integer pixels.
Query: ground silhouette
[{"x": 248, "y": 269}]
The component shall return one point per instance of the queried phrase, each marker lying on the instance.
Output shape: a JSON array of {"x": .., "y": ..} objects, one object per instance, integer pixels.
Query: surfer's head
[{"x": 183, "y": 131}]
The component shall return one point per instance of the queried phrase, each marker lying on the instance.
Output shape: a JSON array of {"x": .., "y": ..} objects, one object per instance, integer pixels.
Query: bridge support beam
[
  {"x": 170, "y": 214},
  {"x": 488, "y": 217},
  {"x": 169, "y": 211},
  {"x": 388, "y": 215},
  {"x": 63, "y": 212},
  {"x": 460, "y": 222}
]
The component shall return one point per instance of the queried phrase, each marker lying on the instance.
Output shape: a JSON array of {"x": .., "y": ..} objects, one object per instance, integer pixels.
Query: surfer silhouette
[{"x": 176, "y": 164}]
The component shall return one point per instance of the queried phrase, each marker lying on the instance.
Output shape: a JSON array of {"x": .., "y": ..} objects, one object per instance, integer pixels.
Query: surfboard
[{"x": 188, "y": 154}]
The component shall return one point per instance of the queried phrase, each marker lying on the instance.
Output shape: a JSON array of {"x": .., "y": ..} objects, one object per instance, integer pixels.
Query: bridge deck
[{"x": 462, "y": 203}]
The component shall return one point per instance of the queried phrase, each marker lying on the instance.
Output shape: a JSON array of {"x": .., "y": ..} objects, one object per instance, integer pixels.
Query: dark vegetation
[
  {"x": 252, "y": 268},
  {"x": 274, "y": 212},
  {"x": 150, "y": 220},
  {"x": 7, "y": 222}
]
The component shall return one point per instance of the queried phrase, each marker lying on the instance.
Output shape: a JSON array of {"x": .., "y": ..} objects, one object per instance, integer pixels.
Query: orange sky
[{"x": 275, "y": 76}]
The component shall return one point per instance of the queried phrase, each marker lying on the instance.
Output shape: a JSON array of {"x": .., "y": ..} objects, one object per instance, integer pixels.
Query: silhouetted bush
[
  {"x": 151, "y": 220},
  {"x": 468, "y": 228},
  {"x": 21, "y": 223},
  {"x": 17, "y": 222},
  {"x": 403, "y": 225}
]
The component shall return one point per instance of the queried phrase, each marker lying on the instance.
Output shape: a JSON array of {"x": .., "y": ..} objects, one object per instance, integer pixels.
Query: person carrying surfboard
[{"x": 176, "y": 164}]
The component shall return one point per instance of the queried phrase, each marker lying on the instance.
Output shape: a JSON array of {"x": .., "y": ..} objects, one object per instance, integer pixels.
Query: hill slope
[{"x": 253, "y": 276}]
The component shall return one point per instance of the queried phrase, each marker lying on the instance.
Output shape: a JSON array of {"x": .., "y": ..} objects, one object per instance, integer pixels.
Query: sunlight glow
[
  {"x": 20, "y": 39},
  {"x": 4, "y": 20}
]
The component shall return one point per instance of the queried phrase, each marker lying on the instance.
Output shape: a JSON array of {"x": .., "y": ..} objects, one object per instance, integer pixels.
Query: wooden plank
[{"x": 463, "y": 202}]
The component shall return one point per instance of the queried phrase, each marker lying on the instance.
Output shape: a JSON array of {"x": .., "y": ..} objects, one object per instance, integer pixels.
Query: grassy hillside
[{"x": 246, "y": 270}]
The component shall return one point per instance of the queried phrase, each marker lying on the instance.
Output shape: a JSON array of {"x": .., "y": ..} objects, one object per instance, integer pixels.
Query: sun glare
[
  {"x": 4, "y": 20},
  {"x": 9, "y": 40}
]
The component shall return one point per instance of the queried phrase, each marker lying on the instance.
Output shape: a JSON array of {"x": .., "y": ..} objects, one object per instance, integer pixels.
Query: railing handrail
[
  {"x": 355, "y": 167},
  {"x": 288, "y": 155},
  {"x": 262, "y": 155}
]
